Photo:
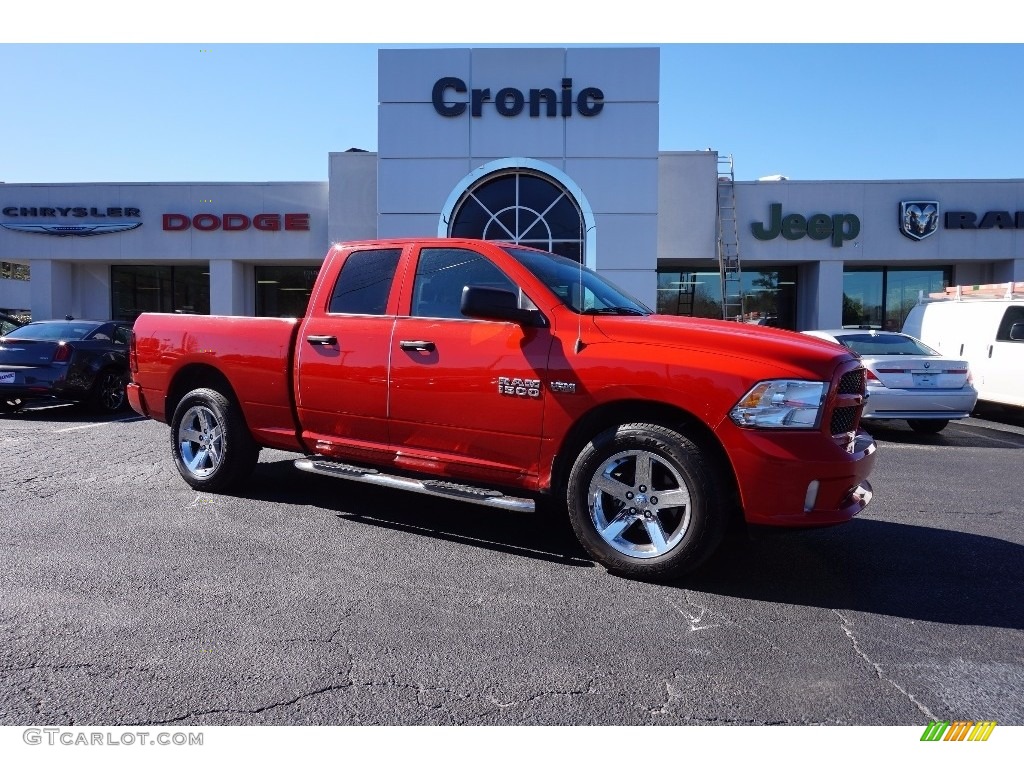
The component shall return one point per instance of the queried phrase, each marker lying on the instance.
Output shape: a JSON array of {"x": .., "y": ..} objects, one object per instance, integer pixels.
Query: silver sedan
[{"x": 908, "y": 379}]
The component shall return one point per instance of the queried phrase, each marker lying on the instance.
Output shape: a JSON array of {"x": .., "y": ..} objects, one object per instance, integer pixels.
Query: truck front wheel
[
  {"x": 645, "y": 502},
  {"x": 211, "y": 444}
]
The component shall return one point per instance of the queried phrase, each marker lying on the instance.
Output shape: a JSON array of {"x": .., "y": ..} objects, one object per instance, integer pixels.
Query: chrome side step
[{"x": 443, "y": 488}]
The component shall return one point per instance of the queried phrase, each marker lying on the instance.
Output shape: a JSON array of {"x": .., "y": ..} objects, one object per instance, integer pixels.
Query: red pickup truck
[{"x": 502, "y": 375}]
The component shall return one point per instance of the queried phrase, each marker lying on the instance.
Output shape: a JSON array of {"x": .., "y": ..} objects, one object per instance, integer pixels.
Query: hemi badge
[{"x": 563, "y": 386}]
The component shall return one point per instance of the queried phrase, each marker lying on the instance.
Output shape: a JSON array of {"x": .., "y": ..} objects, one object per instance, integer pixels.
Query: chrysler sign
[
  {"x": 78, "y": 212},
  {"x": 65, "y": 221}
]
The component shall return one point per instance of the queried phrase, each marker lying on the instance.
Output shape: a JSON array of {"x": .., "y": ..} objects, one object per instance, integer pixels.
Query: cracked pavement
[{"x": 129, "y": 599}]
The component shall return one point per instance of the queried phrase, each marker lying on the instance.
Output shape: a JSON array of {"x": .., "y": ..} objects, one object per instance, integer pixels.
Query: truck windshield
[{"x": 579, "y": 288}]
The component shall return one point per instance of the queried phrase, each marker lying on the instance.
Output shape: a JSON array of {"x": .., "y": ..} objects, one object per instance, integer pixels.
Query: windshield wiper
[{"x": 614, "y": 311}]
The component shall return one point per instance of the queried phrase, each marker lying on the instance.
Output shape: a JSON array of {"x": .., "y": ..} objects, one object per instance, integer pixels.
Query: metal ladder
[
  {"x": 729, "y": 242},
  {"x": 684, "y": 297}
]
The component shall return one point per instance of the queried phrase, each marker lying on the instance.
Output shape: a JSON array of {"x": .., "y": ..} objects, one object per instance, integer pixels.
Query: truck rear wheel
[
  {"x": 211, "y": 444},
  {"x": 645, "y": 502}
]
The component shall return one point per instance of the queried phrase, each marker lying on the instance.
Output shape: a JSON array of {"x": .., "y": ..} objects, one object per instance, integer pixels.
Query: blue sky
[{"x": 79, "y": 108}]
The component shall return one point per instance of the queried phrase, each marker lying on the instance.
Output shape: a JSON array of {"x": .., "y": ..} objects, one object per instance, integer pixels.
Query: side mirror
[
  {"x": 1017, "y": 332},
  {"x": 497, "y": 304}
]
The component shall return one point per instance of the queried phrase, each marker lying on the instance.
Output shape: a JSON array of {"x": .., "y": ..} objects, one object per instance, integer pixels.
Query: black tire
[
  {"x": 928, "y": 426},
  {"x": 210, "y": 442},
  {"x": 11, "y": 406},
  {"x": 646, "y": 502},
  {"x": 109, "y": 394}
]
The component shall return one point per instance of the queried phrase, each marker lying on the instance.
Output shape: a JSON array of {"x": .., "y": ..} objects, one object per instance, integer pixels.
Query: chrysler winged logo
[
  {"x": 69, "y": 230},
  {"x": 919, "y": 218}
]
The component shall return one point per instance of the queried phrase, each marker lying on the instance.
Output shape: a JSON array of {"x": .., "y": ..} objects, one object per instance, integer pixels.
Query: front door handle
[
  {"x": 322, "y": 341},
  {"x": 419, "y": 346}
]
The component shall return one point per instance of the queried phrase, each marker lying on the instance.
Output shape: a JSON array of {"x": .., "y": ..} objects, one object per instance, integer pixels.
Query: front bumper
[{"x": 802, "y": 479}]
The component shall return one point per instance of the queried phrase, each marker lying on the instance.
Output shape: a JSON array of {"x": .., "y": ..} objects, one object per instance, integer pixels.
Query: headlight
[{"x": 781, "y": 404}]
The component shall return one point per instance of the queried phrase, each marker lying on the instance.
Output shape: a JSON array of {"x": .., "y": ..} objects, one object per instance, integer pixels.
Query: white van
[{"x": 983, "y": 324}]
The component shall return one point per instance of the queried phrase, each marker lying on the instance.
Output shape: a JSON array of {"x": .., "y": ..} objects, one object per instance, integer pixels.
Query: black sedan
[{"x": 65, "y": 361}]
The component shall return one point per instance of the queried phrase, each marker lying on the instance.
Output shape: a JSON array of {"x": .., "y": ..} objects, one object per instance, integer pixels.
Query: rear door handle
[
  {"x": 419, "y": 346},
  {"x": 322, "y": 341}
]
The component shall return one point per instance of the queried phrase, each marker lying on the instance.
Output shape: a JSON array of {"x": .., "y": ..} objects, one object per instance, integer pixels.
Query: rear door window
[
  {"x": 103, "y": 333},
  {"x": 364, "y": 283}
]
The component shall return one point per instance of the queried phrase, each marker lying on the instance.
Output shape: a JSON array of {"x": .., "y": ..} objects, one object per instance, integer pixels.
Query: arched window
[{"x": 522, "y": 207}]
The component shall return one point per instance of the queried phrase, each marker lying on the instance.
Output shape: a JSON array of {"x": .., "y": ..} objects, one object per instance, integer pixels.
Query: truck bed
[{"x": 254, "y": 354}]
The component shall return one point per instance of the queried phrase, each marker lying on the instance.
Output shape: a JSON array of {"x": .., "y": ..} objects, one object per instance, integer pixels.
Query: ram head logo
[{"x": 919, "y": 218}]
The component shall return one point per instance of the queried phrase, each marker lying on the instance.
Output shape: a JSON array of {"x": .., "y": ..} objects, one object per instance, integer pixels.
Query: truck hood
[{"x": 738, "y": 340}]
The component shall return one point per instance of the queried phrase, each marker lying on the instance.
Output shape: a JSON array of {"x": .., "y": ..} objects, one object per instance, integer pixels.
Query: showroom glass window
[
  {"x": 769, "y": 295},
  {"x": 12, "y": 271},
  {"x": 882, "y": 297},
  {"x": 522, "y": 207},
  {"x": 284, "y": 291},
  {"x": 138, "y": 289}
]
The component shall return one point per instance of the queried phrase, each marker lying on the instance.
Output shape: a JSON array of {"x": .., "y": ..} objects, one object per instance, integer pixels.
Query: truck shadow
[
  {"x": 965, "y": 434},
  {"x": 1004, "y": 414},
  {"x": 878, "y": 567},
  {"x": 540, "y": 536}
]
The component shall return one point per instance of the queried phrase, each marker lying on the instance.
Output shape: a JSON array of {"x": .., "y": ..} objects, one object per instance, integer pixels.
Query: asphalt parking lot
[{"x": 130, "y": 599}]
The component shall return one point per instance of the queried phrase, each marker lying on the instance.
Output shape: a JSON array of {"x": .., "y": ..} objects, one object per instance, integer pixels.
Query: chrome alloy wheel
[
  {"x": 201, "y": 441},
  {"x": 639, "y": 504}
]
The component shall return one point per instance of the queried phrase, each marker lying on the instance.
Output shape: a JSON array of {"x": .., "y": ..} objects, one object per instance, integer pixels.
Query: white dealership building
[{"x": 556, "y": 148}]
